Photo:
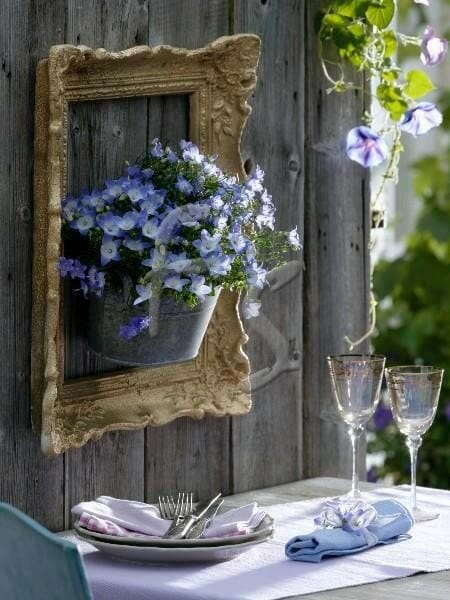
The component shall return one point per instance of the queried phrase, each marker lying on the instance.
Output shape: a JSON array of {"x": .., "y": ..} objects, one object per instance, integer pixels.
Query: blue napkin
[{"x": 393, "y": 522}]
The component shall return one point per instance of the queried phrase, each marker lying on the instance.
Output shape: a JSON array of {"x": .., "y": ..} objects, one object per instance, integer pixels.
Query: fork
[{"x": 175, "y": 512}]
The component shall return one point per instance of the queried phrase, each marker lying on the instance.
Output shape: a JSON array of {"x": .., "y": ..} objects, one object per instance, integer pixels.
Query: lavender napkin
[
  {"x": 392, "y": 524},
  {"x": 124, "y": 518}
]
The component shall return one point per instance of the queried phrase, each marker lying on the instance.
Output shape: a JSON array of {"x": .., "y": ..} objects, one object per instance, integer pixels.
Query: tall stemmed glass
[
  {"x": 414, "y": 395},
  {"x": 356, "y": 380}
]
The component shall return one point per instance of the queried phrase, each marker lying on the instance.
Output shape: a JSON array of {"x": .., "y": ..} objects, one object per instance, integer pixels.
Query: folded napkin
[
  {"x": 125, "y": 518},
  {"x": 392, "y": 523}
]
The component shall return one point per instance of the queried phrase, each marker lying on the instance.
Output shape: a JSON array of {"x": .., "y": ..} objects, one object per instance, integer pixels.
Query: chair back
[{"x": 36, "y": 564}]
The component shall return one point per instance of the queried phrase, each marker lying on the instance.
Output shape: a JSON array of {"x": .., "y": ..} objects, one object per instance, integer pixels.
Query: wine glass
[
  {"x": 414, "y": 394},
  {"x": 356, "y": 380}
]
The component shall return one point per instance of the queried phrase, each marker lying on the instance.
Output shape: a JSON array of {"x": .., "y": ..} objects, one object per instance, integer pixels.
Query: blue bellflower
[
  {"x": 199, "y": 288},
  {"x": 109, "y": 250}
]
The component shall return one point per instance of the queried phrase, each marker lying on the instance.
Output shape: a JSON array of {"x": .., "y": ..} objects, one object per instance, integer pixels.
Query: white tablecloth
[{"x": 264, "y": 573}]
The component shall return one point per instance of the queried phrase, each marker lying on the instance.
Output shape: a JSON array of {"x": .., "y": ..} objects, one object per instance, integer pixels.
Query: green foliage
[{"x": 414, "y": 316}]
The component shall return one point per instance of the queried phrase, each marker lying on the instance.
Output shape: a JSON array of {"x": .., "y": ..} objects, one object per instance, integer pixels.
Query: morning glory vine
[{"x": 361, "y": 33}]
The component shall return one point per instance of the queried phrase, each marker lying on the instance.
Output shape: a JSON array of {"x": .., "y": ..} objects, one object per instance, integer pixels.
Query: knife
[
  {"x": 198, "y": 529},
  {"x": 183, "y": 527}
]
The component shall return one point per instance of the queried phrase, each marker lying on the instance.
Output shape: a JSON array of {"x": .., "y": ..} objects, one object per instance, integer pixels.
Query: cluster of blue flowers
[{"x": 175, "y": 223}]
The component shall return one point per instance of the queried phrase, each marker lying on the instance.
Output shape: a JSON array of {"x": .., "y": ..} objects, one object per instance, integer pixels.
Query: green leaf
[
  {"x": 391, "y": 98},
  {"x": 417, "y": 84},
  {"x": 380, "y": 13},
  {"x": 390, "y": 43}
]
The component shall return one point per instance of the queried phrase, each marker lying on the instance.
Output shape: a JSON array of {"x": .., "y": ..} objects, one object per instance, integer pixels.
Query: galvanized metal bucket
[{"x": 175, "y": 337}]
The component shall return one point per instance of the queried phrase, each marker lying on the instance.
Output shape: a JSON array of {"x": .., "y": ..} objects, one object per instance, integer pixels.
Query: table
[
  {"x": 430, "y": 586},
  {"x": 427, "y": 586}
]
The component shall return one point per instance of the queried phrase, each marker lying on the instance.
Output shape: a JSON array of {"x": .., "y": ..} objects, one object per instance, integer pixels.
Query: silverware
[
  {"x": 198, "y": 529},
  {"x": 181, "y": 530},
  {"x": 175, "y": 512}
]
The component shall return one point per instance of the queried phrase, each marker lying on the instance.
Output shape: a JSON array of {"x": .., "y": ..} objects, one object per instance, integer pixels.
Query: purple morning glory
[
  {"x": 366, "y": 147},
  {"x": 421, "y": 119},
  {"x": 134, "y": 327},
  {"x": 109, "y": 250},
  {"x": 433, "y": 48}
]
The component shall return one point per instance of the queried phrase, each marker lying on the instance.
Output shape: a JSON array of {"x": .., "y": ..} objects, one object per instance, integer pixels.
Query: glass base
[{"x": 423, "y": 515}]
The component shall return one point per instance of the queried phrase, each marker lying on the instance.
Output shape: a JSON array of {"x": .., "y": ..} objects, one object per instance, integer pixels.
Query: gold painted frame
[{"x": 218, "y": 78}]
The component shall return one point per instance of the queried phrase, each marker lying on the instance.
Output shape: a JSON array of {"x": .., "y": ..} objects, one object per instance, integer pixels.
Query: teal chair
[{"x": 36, "y": 564}]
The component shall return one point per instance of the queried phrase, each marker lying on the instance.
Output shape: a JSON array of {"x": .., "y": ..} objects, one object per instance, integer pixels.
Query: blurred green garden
[{"x": 413, "y": 314}]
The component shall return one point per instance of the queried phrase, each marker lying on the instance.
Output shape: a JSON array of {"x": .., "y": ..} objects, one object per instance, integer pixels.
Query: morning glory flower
[
  {"x": 366, "y": 147},
  {"x": 237, "y": 241},
  {"x": 294, "y": 239},
  {"x": 255, "y": 275},
  {"x": 199, "y": 288},
  {"x": 433, "y": 48},
  {"x": 218, "y": 264},
  {"x": 207, "y": 243},
  {"x": 83, "y": 224},
  {"x": 144, "y": 293},
  {"x": 150, "y": 229},
  {"x": 183, "y": 185},
  {"x": 110, "y": 223},
  {"x": 109, "y": 250},
  {"x": 136, "y": 245},
  {"x": 175, "y": 282},
  {"x": 129, "y": 220},
  {"x": 421, "y": 119},
  {"x": 65, "y": 266},
  {"x": 250, "y": 308},
  {"x": 156, "y": 149},
  {"x": 134, "y": 327}
]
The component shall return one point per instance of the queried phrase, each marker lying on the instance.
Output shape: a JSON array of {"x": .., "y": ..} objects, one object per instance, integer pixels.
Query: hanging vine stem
[{"x": 360, "y": 34}]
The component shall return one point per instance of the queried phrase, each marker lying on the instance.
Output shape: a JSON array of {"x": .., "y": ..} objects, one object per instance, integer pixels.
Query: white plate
[
  {"x": 155, "y": 554},
  {"x": 264, "y": 529}
]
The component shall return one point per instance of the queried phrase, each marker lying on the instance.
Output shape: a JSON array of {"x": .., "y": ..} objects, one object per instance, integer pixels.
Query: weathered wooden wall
[{"x": 294, "y": 132}]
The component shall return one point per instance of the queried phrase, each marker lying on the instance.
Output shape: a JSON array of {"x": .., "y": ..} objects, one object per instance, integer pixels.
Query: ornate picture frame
[{"x": 218, "y": 79}]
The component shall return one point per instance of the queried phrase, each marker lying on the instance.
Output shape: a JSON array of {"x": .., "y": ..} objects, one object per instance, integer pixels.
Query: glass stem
[
  {"x": 413, "y": 446},
  {"x": 355, "y": 434}
]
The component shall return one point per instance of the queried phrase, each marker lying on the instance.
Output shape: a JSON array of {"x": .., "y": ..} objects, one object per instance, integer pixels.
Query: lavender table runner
[{"x": 264, "y": 573}]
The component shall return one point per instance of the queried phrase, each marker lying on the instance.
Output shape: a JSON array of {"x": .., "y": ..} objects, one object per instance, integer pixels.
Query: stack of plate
[{"x": 167, "y": 550}]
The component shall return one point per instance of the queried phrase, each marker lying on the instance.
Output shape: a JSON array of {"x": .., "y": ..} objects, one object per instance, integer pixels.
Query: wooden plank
[
  {"x": 274, "y": 139},
  {"x": 28, "y": 480},
  {"x": 186, "y": 454},
  {"x": 336, "y": 255},
  {"x": 117, "y": 131}
]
